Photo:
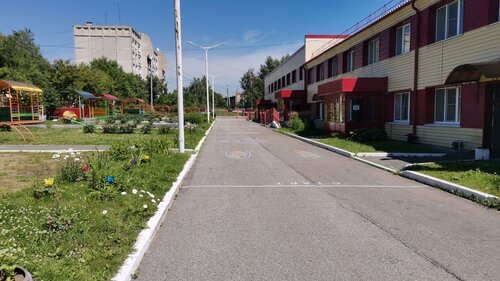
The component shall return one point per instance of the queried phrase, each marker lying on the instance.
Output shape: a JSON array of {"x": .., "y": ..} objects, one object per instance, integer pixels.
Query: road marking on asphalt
[
  {"x": 306, "y": 154},
  {"x": 304, "y": 185},
  {"x": 237, "y": 154}
]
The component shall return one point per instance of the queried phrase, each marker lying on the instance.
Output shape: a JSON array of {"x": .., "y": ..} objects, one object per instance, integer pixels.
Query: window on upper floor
[
  {"x": 294, "y": 76},
  {"x": 403, "y": 37},
  {"x": 349, "y": 61},
  {"x": 335, "y": 67},
  {"x": 321, "y": 71},
  {"x": 447, "y": 105},
  {"x": 402, "y": 107},
  {"x": 300, "y": 74},
  {"x": 449, "y": 20},
  {"x": 373, "y": 51},
  {"x": 288, "y": 79}
]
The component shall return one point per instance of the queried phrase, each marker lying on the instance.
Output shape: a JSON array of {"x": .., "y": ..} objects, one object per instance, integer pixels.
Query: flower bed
[{"x": 82, "y": 223}]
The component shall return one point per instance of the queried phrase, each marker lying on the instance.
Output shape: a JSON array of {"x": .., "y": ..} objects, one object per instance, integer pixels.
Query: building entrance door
[{"x": 495, "y": 128}]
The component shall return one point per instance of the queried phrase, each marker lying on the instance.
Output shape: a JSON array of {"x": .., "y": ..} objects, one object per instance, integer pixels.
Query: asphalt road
[{"x": 259, "y": 205}]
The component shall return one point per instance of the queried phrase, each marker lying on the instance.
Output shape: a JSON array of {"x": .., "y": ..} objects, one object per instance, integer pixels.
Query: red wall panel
[
  {"x": 385, "y": 44},
  {"x": 472, "y": 110},
  {"x": 358, "y": 56},
  {"x": 389, "y": 107}
]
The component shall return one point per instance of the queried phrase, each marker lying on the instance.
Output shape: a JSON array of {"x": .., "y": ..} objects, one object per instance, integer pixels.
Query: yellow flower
[
  {"x": 146, "y": 157},
  {"x": 49, "y": 182}
]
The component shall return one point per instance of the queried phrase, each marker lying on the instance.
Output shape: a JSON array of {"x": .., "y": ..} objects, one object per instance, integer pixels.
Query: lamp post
[
  {"x": 206, "y": 48},
  {"x": 180, "y": 94}
]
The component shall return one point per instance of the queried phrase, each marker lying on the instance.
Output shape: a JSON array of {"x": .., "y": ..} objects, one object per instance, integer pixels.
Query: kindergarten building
[{"x": 422, "y": 69}]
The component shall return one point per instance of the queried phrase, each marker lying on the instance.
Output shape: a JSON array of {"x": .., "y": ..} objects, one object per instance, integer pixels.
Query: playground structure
[
  {"x": 80, "y": 107},
  {"x": 104, "y": 105},
  {"x": 20, "y": 103},
  {"x": 134, "y": 106}
]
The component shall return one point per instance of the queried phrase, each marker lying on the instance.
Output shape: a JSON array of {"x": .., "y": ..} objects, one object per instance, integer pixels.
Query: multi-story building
[
  {"x": 426, "y": 69},
  {"x": 132, "y": 50},
  {"x": 285, "y": 85}
]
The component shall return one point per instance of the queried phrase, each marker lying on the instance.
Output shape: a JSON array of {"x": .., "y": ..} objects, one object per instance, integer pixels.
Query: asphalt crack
[{"x": 394, "y": 236}]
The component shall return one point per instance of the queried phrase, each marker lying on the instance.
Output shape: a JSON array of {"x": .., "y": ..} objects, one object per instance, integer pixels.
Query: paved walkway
[{"x": 259, "y": 205}]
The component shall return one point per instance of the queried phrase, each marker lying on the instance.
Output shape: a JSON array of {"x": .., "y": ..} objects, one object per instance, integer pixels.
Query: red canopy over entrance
[{"x": 353, "y": 85}]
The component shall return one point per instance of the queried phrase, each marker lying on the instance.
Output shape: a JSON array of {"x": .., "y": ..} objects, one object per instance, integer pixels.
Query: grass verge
[
  {"x": 17, "y": 170},
  {"x": 357, "y": 147},
  {"x": 82, "y": 224},
  {"x": 480, "y": 175}
]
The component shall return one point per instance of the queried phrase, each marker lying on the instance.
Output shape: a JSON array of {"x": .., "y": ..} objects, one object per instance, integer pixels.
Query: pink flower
[{"x": 85, "y": 168}]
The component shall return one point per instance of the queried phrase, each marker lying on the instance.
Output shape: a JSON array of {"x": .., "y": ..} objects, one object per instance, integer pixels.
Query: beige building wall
[{"x": 122, "y": 44}]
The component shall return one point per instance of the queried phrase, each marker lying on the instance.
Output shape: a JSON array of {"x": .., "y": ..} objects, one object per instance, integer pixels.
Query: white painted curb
[
  {"x": 146, "y": 235},
  {"x": 322, "y": 145},
  {"x": 376, "y": 165},
  {"x": 399, "y": 154},
  {"x": 452, "y": 187}
]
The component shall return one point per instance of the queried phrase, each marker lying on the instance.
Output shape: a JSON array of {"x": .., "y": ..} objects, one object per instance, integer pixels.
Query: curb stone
[
  {"x": 448, "y": 186},
  {"x": 321, "y": 145},
  {"x": 425, "y": 179},
  {"x": 146, "y": 235}
]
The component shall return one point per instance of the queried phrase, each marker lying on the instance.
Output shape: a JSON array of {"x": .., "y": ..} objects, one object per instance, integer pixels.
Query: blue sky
[{"x": 251, "y": 29}]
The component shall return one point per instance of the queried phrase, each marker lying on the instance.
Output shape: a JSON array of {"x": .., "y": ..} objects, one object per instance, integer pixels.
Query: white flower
[
  {"x": 77, "y": 159},
  {"x": 145, "y": 206},
  {"x": 134, "y": 191},
  {"x": 143, "y": 191},
  {"x": 140, "y": 195},
  {"x": 66, "y": 157},
  {"x": 154, "y": 201},
  {"x": 104, "y": 212},
  {"x": 70, "y": 150},
  {"x": 55, "y": 156},
  {"x": 124, "y": 193},
  {"x": 151, "y": 195}
]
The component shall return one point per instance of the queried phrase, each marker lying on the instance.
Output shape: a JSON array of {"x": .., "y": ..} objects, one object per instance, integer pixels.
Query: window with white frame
[
  {"x": 373, "y": 51},
  {"x": 403, "y": 37},
  {"x": 447, "y": 105},
  {"x": 350, "y": 60},
  {"x": 402, "y": 107},
  {"x": 449, "y": 20}
]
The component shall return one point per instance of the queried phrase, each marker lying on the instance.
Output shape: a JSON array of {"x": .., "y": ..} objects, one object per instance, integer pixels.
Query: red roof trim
[{"x": 326, "y": 36}]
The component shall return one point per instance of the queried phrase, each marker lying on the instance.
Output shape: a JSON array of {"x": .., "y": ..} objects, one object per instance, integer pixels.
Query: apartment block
[{"x": 132, "y": 50}]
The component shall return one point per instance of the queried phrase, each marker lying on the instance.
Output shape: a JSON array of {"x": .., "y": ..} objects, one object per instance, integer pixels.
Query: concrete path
[
  {"x": 8, "y": 148},
  {"x": 259, "y": 205}
]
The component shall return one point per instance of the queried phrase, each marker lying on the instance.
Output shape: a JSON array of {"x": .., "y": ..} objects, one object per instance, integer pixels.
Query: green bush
[
  {"x": 164, "y": 130},
  {"x": 88, "y": 129},
  {"x": 71, "y": 171},
  {"x": 368, "y": 135},
  {"x": 147, "y": 128},
  {"x": 118, "y": 129},
  {"x": 194, "y": 118},
  {"x": 296, "y": 124}
]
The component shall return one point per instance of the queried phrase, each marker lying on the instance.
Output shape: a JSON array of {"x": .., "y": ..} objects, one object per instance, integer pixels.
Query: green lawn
[
  {"x": 83, "y": 228},
  {"x": 357, "y": 147},
  {"x": 480, "y": 175},
  {"x": 68, "y": 136}
]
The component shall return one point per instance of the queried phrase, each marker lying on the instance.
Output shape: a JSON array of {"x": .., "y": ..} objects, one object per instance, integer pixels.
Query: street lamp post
[
  {"x": 180, "y": 94},
  {"x": 206, "y": 48}
]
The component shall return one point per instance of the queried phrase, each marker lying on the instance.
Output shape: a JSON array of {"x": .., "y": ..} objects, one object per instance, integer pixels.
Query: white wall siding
[{"x": 397, "y": 131}]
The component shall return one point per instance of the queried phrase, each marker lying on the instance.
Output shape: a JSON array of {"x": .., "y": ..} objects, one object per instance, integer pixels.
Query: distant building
[
  {"x": 233, "y": 101},
  {"x": 132, "y": 50}
]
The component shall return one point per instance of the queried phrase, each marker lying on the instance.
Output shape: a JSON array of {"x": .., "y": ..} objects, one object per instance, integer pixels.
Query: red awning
[
  {"x": 107, "y": 96},
  {"x": 353, "y": 85},
  {"x": 291, "y": 94}
]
